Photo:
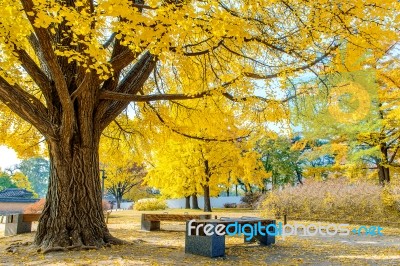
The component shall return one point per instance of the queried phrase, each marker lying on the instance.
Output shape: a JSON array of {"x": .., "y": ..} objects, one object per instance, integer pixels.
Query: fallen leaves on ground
[{"x": 166, "y": 247}]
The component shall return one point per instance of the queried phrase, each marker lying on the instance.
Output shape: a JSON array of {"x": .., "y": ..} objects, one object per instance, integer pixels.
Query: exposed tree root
[
  {"x": 111, "y": 240},
  {"x": 77, "y": 247},
  {"x": 13, "y": 247}
]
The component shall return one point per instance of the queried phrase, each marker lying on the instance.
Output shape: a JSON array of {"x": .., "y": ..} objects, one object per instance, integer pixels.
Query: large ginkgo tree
[{"x": 69, "y": 68}]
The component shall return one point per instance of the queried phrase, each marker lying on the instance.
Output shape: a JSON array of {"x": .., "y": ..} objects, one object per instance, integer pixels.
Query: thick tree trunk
[
  {"x": 384, "y": 175},
  {"x": 207, "y": 200},
  {"x": 119, "y": 199},
  {"x": 73, "y": 213},
  {"x": 206, "y": 187},
  {"x": 195, "y": 202},
  {"x": 187, "y": 202},
  {"x": 383, "y": 171}
]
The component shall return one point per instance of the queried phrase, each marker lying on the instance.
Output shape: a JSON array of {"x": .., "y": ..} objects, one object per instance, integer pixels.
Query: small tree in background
[
  {"x": 37, "y": 169},
  {"x": 122, "y": 179}
]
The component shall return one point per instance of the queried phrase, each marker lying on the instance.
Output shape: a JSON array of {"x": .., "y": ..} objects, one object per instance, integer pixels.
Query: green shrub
[
  {"x": 335, "y": 200},
  {"x": 150, "y": 205}
]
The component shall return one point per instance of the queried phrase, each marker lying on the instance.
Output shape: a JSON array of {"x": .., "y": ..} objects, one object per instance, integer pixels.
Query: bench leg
[
  {"x": 208, "y": 246},
  {"x": 150, "y": 225},
  {"x": 268, "y": 239},
  {"x": 14, "y": 225}
]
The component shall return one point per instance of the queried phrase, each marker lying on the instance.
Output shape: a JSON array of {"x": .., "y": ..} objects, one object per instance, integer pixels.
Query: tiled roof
[
  {"x": 22, "y": 200},
  {"x": 19, "y": 193}
]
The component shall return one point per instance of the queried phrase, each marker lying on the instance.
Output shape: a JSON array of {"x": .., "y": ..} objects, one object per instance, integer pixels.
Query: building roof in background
[{"x": 16, "y": 193}]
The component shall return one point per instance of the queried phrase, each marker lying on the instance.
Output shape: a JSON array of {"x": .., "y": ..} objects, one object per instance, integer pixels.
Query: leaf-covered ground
[{"x": 166, "y": 247}]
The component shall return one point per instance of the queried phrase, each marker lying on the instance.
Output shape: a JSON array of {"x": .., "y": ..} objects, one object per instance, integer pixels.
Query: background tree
[
  {"x": 37, "y": 169},
  {"x": 69, "y": 68},
  {"x": 281, "y": 161},
  {"x": 6, "y": 181},
  {"x": 185, "y": 165},
  {"x": 121, "y": 180},
  {"x": 358, "y": 133},
  {"x": 15, "y": 179},
  {"x": 22, "y": 181}
]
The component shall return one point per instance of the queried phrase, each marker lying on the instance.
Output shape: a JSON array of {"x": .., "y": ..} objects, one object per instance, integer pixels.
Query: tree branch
[
  {"x": 34, "y": 71},
  {"x": 26, "y": 106},
  {"x": 61, "y": 87},
  {"x": 307, "y": 66},
  {"x": 107, "y": 111},
  {"x": 109, "y": 41},
  {"x": 142, "y": 6},
  {"x": 191, "y": 136},
  {"x": 149, "y": 98},
  {"x": 173, "y": 49}
]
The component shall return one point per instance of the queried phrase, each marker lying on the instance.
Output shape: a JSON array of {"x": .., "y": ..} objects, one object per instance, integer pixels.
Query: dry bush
[
  {"x": 151, "y": 204},
  {"x": 230, "y": 205},
  {"x": 251, "y": 199},
  {"x": 105, "y": 205},
  {"x": 334, "y": 200},
  {"x": 391, "y": 195},
  {"x": 36, "y": 207},
  {"x": 243, "y": 206}
]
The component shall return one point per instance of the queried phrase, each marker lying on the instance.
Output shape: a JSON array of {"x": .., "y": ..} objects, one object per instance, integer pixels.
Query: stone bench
[
  {"x": 19, "y": 223},
  {"x": 151, "y": 221},
  {"x": 199, "y": 243},
  {"x": 22, "y": 223}
]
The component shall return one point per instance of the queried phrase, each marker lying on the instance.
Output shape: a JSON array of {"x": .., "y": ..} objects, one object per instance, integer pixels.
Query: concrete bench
[
  {"x": 22, "y": 223},
  {"x": 199, "y": 243},
  {"x": 151, "y": 221},
  {"x": 19, "y": 223}
]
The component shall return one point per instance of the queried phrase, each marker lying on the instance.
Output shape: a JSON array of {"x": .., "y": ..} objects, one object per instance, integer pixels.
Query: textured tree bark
[
  {"x": 384, "y": 175},
  {"x": 195, "y": 202},
  {"x": 187, "y": 202},
  {"x": 383, "y": 171},
  {"x": 206, "y": 187},
  {"x": 207, "y": 200},
  {"x": 119, "y": 199},
  {"x": 73, "y": 213}
]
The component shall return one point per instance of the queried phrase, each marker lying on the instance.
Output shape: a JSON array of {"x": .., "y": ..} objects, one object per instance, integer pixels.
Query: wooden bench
[
  {"x": 151, "y": 221},
  {"x": 199, "y": 243}
]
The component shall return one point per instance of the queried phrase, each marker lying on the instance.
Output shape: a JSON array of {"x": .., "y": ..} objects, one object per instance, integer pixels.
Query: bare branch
[
  {"x": 206, "y": 139},
  {"x": 152, "y": 97},
  {"x": 307, "y": 66}
]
